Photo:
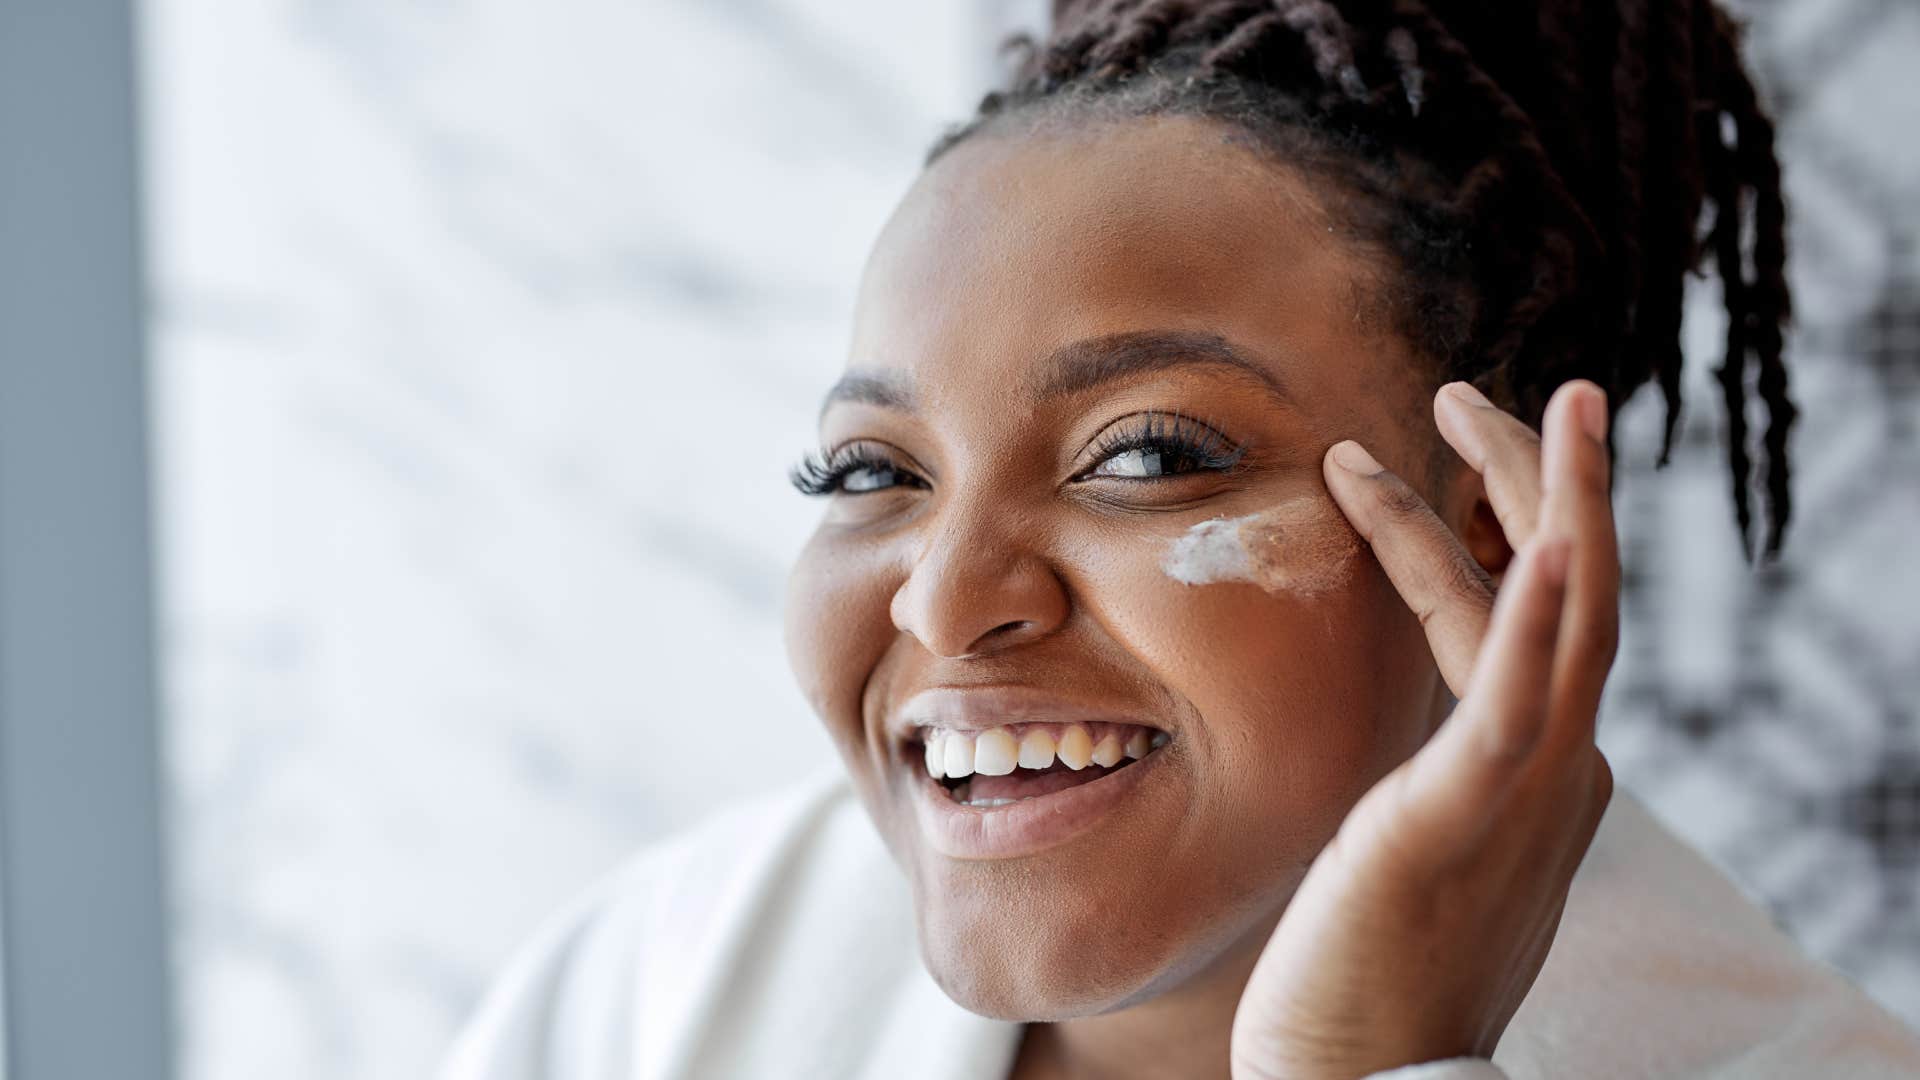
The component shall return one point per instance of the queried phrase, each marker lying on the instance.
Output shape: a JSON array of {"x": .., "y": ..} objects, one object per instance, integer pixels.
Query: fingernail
[
  {"x": 1469, "y": 393},
  {"x": 1593, "y": 415},
  {"x": 1352, "y": 457}
]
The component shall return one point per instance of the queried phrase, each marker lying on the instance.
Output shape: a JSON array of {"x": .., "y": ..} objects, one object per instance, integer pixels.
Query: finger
[
  {"x": 1510, "y": 688},
  {"x": 1465, "y": 772},
  {"x": 1504, "y": 451},
  {"x": 1449, "y": 591},
  {"x": 1578, "y": 503}
]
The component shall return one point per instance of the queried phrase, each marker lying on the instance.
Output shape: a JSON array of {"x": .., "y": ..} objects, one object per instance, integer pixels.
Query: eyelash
[{"x": 822, "y": 472}]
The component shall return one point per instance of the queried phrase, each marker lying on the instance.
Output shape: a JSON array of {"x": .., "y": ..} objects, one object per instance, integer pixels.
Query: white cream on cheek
[
  {"x": 1304, "y": 546},
  {"x": 1210, "y": 551}
]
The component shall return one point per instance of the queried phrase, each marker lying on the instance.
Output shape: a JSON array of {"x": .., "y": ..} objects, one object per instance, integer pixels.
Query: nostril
[{"x": 1006, "y": 634}]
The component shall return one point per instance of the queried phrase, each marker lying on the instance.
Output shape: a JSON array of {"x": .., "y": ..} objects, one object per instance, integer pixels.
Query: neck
[{"x": 1184, "y": 1032}]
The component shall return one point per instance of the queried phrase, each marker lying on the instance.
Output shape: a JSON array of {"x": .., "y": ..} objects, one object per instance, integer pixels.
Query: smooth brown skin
[{"x": 1137, "y": 940}]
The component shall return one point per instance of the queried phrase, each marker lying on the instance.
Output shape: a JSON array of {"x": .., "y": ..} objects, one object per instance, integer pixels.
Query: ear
[{"x": 1470, "y": 514}]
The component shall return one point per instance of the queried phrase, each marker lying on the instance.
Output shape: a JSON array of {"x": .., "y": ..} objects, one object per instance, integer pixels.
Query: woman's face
[{"x": 1070, "y": 348}]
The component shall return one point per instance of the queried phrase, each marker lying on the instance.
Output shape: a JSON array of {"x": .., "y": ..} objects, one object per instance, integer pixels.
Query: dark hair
[{"x": 1538, "y": 170}]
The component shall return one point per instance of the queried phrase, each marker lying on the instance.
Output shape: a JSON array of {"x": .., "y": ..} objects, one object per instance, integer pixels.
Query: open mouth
[{"x": 1013, "y": 763}]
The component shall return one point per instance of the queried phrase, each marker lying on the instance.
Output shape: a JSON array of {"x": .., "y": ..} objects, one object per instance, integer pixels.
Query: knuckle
[
  {"x": 1399, "y": 499},
  {"x": 1425, "y": 611},
  {"x": 1468, "y": 580}
]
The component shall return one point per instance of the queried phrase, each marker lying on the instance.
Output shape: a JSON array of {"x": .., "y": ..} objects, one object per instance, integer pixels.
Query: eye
[
  {"x": 1158, "y": 445},
  {"x": 853, "y": 469},
  {"x": 1143, "y": 462}
]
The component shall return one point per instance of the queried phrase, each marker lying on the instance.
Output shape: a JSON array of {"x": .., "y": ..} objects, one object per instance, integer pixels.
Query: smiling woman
[
  {"x": 1009, "y": 528},
  {"x": 1215, "y": 588}
]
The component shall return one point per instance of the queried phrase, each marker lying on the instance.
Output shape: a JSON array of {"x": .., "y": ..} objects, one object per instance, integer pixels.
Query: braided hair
[{"x": 1538, "y": 171}]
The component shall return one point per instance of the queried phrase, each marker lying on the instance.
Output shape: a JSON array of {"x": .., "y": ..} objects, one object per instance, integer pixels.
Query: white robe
[{"x": 776, "y": 940}]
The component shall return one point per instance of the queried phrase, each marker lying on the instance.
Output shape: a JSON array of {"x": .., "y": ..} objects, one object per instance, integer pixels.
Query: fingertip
[
  {"x": 1593, "y": 415},
  {"x": 1466, "y": 393},
  {"x": 1587, "y": 400},
  {"x": 1580, "y": 384},
  {"x": 1452, "y": 409},
  {"x": 1353, "y": 457},
  {"x": 1346, "y": 488}
]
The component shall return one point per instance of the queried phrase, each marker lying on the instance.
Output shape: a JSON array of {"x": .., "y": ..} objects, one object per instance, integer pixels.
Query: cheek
[
  {"x": 1303, "y": 698},
  {"x": 838, "y": 628}
]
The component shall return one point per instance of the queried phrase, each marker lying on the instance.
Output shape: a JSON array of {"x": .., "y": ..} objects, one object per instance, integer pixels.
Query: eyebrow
[
  {"x": 1085, "y": 364},
  {"x": 1080, "y": 366},
  {"x": 887, "y": 389}
]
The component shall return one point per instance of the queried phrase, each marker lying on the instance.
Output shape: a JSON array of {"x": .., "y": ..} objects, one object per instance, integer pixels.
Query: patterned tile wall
[
  {"x": 484, "y": 331},
  {"x": 1773, "y": 717}
]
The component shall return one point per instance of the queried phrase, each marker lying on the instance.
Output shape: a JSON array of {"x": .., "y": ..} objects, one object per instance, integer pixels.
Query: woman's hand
[{"x": 1421, "y": 926}]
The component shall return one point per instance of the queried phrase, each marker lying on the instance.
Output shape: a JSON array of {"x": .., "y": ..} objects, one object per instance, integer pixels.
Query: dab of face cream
[{"x": 1305, "y": 546}]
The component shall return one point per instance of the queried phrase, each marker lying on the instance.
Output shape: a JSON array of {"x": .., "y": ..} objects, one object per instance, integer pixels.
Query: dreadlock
[{"x": 1538, "y": 171}]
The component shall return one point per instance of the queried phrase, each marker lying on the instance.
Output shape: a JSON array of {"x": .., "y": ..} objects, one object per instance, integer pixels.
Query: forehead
[{"x": 1015, "y": 244}]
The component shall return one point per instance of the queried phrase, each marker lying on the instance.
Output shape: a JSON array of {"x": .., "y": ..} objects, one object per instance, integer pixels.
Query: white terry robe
[{"x": 776, "y": 940}]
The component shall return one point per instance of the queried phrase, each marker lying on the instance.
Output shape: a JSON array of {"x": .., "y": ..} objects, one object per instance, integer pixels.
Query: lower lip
[{"x": 1027, "y": 826}]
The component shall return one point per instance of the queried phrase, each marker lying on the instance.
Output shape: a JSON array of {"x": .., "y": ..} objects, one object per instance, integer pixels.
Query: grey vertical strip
[{"x": 82, "y": 925}]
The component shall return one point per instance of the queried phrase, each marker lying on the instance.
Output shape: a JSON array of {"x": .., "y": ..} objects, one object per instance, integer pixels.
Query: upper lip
[{"x": 977, "y": 708}]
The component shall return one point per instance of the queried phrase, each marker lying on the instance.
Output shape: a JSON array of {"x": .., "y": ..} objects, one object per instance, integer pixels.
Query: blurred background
[{"x": 477, "y": 338}]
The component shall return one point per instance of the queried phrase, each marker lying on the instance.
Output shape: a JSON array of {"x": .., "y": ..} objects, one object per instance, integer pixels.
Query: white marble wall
[{"x": 485, "y": 331}]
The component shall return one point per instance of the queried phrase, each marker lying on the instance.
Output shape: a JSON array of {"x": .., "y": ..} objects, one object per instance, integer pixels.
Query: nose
[{"x": 976, "y": 587}]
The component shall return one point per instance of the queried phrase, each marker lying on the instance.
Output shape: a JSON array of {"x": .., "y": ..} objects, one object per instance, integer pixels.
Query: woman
[{"x": 1212, "y": 646}]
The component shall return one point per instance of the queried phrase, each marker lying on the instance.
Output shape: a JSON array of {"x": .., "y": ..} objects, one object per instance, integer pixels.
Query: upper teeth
[{"x": 998, "y": 751}]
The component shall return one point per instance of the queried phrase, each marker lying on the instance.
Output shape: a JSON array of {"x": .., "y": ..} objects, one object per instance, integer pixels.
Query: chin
[
  {"x": 989, "y": 966},
  {"x": 1021, "y": 990}
]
